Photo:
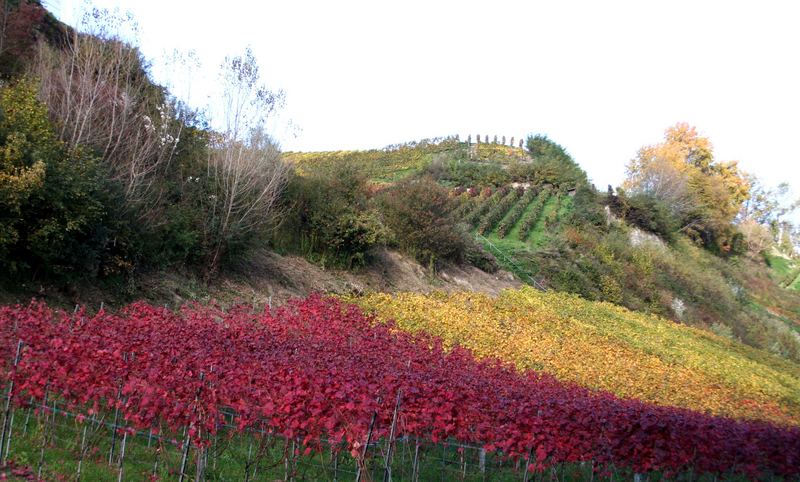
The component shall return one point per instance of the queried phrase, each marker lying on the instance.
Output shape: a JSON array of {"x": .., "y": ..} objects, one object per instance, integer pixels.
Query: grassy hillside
[
  {"x": 467, "y": 164},
  {"x": 785, "y": 271},
  {"x": 605, "y": 347},
  {"x": 555, "y": 233}
]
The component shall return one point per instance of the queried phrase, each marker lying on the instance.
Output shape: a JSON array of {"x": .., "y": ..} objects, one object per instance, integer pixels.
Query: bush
[
  {"x": 55, "y": 213},
  {"x": 459, "y": 172},
  {"x": 416, "y": 212},
  {"x": 645, "y": 212},
  {"x": 587, "y": 210},
  {"x": 329, "y": 218},
  {"x": 552, "y": 163}
]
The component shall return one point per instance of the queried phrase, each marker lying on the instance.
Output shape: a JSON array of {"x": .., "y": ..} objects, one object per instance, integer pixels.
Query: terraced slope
[{"x": 604, "y": 346}]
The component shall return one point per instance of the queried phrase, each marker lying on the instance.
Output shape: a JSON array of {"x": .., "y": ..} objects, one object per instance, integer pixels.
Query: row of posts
[
  {"x": 202, "y": 455},
  {"x": 501, "y": 141}
]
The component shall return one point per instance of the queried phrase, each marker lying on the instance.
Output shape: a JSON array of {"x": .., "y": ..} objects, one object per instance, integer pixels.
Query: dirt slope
[
  {"x": 270, "y": 277},
  {"x": 266, "y": 278}
]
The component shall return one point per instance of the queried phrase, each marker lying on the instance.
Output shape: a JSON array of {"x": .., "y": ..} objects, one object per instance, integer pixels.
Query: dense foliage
[
  {"x": 319, "y": 370},
  {"x": 104, "y": 174},
  {"x": 329, "y": 217},
  {"x": 418, "y": 216},
  {"x": 56, "y": 215},
  {"x": 703, "y": 195},
  {"x": 552, "y": 163}
]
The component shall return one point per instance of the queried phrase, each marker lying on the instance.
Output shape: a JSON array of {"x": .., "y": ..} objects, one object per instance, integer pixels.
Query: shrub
[
  {"x": 466, "y": 173},
  {"x": 329, "y": 218},
  {"x": 587, "y": 210},
  {"x": 646, "y": 212},
  {"x": 54, "y": 218},
  {"x": 416, "y": 212},
  {"x": 552, "y": 163}
]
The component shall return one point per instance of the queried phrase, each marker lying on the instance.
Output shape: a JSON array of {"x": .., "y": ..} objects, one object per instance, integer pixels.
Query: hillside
[
  {"x": 605, "y": 347},
  {"x": 181, "y": 299},
  {"x": 555, "y": 232}
]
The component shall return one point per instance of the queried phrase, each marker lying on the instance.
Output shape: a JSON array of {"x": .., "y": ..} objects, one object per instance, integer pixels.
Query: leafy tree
[
  {"x": 703, "y": 195},
  {"x": 765, "y": 204},
  {"x": 552, "y": 163},
  {"x": 52, "y": 199}
]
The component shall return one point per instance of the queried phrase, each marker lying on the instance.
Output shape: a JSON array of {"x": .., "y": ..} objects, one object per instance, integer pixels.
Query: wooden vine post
[
  {"x": 387, "y": 464},
  {"x": 187, "y": 440},
  {"x": 363, "y": 459},
  {"x": 8, "y": 413}
]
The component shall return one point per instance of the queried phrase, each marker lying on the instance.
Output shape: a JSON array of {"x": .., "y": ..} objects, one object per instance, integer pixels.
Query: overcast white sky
[{"x": 600, "y": 78}]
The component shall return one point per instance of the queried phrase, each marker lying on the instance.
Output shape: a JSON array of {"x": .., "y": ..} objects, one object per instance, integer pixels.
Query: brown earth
[
  {"x": 269, "y": 278},
  {"x": 272, "y": 278}
]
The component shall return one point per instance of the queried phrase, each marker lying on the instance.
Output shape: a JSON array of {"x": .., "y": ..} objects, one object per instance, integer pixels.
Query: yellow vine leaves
[{"x": 603, "y": 346}]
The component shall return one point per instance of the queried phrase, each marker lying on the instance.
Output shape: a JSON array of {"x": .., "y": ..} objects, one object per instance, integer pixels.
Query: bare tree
[
  {"x": 757, "y": 237},
  {"x": 98, "y": 93},
  {"x": 244, "y": 162}
]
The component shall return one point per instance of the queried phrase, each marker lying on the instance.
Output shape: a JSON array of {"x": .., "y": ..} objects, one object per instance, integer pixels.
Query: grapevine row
[
  {"x": 604, "y": 347},
  {"x": 552, "y": 217},
  {"x": 484, "y": 206},
  {"x": 509, "y": 221},
  {"x": 320, "y": 370},
  {"x": 498, "y": 211},
  {"x": 530, "y": 219}
]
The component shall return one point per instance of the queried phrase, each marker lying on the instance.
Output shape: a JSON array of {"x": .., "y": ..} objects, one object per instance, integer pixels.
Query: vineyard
[
  {"x": 605, "y": 347},
  {"x": 520, "y": 215},
  {"x": 387, "y": 165},
  {"x": 512, "y": 223},
  {"x": 318, "y": 384}
]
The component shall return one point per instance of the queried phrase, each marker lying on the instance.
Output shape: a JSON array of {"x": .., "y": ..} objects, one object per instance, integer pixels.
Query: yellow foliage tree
[{"x": 703, "y": 195}]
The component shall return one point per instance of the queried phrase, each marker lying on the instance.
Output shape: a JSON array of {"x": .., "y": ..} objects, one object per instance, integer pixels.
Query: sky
[{"x": 600, "y": 78}]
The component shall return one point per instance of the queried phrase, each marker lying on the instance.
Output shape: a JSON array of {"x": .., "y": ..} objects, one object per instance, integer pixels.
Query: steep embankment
[{"x": 270, "y": 278}]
